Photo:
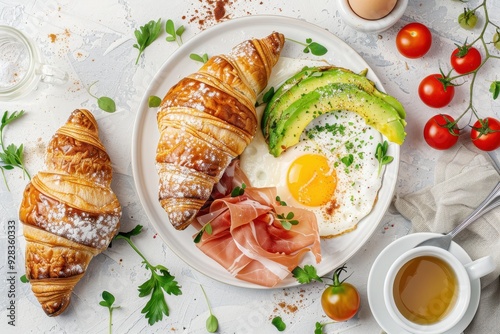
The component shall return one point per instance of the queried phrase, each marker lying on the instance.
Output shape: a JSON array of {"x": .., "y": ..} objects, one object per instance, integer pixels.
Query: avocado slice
[
  {"x": 310, "y": 79},
  {"x": 332, "y": 97}
]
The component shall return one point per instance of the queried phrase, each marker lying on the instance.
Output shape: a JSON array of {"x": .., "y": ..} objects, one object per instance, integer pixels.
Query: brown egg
[{"x": 372, "y": 9}]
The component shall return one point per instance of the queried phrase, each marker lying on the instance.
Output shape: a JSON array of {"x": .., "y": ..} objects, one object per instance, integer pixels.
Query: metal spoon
[{"x": 491, "y": 202}]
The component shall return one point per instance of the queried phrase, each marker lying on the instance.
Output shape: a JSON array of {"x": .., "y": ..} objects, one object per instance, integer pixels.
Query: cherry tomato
[
  {"x": 485, "y": 134},
  {"x": 440, "y": 132},
  {"x": 465, "y": 59},
  {"x": 340, "y": 301},
  {"x": 436, "y": 93},
  {"x": 468, "y": 19},
  {"x": 414, "y": 40}
]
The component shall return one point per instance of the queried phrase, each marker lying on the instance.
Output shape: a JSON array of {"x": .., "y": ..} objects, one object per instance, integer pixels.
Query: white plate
[
  {"x": 220, "y": 39},
  {"x": 381, "y": 266}
]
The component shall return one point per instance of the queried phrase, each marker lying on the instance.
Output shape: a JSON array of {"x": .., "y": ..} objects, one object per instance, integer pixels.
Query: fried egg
[{"x": 332, "y": 171}]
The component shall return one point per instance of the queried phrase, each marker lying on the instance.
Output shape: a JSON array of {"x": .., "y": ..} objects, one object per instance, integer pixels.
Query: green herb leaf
[
  {"x": 311, "y": 47},
  {"x": 238, "y": 191},
  {"x": 317, "y": 49},
  {"x": 319, "y": 328},
  {"x": 154, "y": 101},
  {"x": 108, "y": 300},
  {"x": 161, "y": 281},
  {"x": 146, "y": 35},
  {"x": 24, "y": 279},
  {"x": 381, "y": 155},
  {"x": 106, "y": 103},
  {"x": 306, "y": 275},
  {"x": 279, "y": 324},
  {"x": 347, "y": 160},
  {"x": 495, "y": 89},
  {"x": 200, "y": 58},
  {"x": 212, "y": 324},
  {"x": 175, "y": 35},
  {"x": 282, "y": 203}
]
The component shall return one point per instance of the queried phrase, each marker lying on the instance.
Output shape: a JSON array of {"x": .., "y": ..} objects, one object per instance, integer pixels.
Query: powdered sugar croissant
[
  {"x": 206, "y": 120},
  {"x": 69, "y": 212}
]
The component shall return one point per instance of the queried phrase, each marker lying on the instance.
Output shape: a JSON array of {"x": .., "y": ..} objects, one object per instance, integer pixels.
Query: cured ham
[{"x": 248, "y": 239}]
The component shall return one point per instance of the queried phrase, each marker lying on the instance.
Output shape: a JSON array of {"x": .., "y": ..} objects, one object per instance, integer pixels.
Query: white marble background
[{"x": 93, "y": 42}]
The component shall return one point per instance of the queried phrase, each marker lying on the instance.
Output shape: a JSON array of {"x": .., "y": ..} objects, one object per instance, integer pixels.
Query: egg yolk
[{"x": 311, "y": 181}]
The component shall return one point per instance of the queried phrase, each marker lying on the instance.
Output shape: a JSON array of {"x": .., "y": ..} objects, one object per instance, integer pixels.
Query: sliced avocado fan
[{"x": 315, "y": 91}]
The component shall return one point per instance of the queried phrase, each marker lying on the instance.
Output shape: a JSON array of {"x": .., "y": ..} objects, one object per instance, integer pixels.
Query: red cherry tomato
[
  {"x": 485, "y": 134},
  {"x": 414, "y": 40},
  {"x": 440, "y": 132},
  {"x": 465, "y": 59},
  {"x": 435, "y": 93},
  {"x": 340, "y": 301}
]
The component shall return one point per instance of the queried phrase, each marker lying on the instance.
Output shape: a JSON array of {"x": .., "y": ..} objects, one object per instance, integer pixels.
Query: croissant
[
  {"x": 69, "y": 212},
  {"x": 206, "y": 120}
]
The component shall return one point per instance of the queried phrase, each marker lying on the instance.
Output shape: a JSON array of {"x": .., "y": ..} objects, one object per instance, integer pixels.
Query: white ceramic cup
[
  {"x": 464, "y": 273},
  {"x": 21, "y": 67}
]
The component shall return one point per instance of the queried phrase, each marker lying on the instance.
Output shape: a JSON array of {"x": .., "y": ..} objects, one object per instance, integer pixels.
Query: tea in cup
[
  {"x": 428, "y": 290},
  {"x": 21, "y": 68}
]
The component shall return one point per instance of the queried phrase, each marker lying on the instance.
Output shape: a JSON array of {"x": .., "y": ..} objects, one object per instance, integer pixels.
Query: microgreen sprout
[
  {"x": 199, "y": 58},
  {"x": 174, "y": 34},
  {"x": 105, "y": 103},
  {"x": 311, "y": 47},
  {"x": 381, "y": 155},
  {"x": 107, "y": 301},
  {"x": 287, "y": 220},
  {"x": 238, "y": 191},
  {"x": 207, "y": 228},
  {"x": 212, "y": 324}
]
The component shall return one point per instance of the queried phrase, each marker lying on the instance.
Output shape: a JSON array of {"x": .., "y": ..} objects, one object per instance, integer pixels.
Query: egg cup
[{"x": 371, "y": 26}]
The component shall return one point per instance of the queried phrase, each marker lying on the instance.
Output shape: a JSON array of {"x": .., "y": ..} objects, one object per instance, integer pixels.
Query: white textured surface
[{"x": 93, "y": 42}]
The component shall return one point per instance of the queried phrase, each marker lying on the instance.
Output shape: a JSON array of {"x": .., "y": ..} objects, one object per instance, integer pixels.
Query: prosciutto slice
[{"x": 249, "y": 240}]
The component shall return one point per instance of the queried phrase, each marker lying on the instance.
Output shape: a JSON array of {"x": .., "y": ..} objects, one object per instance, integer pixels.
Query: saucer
[{"x": 381, "y": 266}]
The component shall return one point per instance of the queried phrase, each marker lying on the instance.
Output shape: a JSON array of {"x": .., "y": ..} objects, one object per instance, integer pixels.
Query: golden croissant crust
[
  {"x": 69, "y": 212},
  {"x": 206, "y": 120}
]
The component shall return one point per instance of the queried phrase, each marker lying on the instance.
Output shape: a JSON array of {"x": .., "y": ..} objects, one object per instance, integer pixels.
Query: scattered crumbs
[
  {"x": 52, "y": 37},
  {"x": 210, "y": 12},
  {"x": 155, "y": 235}
]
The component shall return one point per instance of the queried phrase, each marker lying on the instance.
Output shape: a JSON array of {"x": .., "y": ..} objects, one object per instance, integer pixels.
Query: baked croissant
[
  {"x": 69, "y": 212},
  {"x": 206, "y": 120}
]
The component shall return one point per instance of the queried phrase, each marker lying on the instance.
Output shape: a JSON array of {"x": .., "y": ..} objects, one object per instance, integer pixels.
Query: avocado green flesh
[
  {"x": 303, "y": 84},
  {"x": 310, "y": 79},
  {"x": 330, "y": 98}
]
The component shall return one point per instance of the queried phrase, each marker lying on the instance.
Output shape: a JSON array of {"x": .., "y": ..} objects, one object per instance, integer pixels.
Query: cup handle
[
  {"x": 481, "y": 267},
  {"x": 52, "y": 75}
]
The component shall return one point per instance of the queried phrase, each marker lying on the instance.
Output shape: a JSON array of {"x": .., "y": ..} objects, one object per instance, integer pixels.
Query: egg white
[{"x": 357, "y": 183}]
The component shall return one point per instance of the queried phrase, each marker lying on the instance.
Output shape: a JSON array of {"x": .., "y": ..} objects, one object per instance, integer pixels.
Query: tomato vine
[{"x": 488, "y": 55}]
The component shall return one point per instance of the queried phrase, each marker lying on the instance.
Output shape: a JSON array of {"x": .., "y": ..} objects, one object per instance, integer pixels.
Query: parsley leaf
[
  {"x": 306, "y": 275},
  {"x": 161, "y": 281},
  {"x": 146, "y": 35},
  {"x": 11, "y": 156}
]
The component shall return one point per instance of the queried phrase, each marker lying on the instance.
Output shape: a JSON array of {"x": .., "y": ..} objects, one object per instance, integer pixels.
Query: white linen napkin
[{"x": 464, "y": 177}]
